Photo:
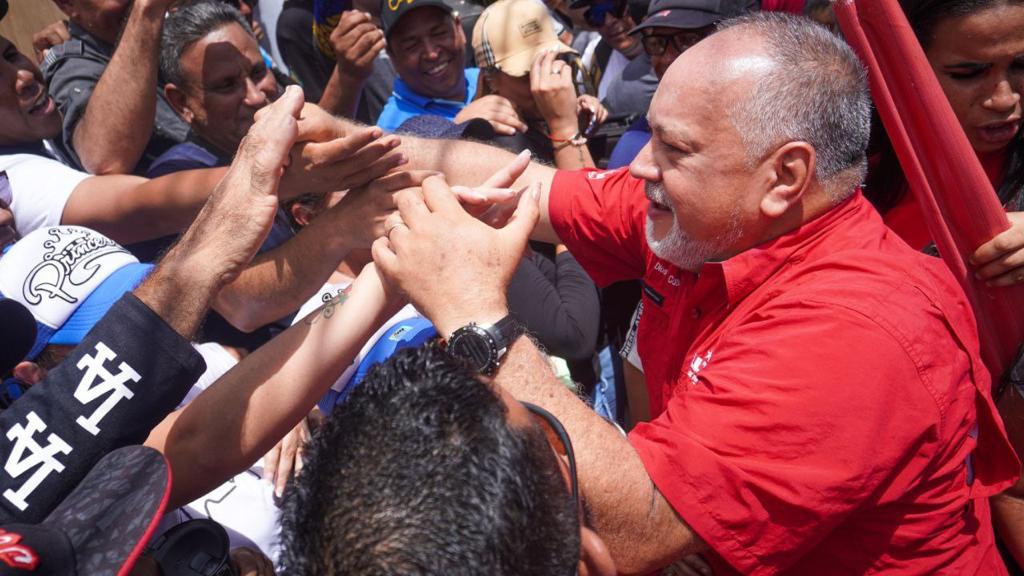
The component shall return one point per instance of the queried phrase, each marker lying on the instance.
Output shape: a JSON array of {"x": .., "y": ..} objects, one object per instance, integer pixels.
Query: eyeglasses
[
  {"x": 656, "y": 44},
  {"x": 558, "y": 438},
  {"x": 596, "y": 14}
]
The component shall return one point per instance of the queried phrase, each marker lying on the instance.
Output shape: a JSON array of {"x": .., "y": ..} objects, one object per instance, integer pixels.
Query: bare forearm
[
  {"x": 234, "y": 422},
  {"x": 641, "y": 530},
  {"x": 118, "y": 120},
  {"x": 131, "y": 209},
  {"x": 279, "y": 281},
  {"x": 341, "y": 95},
  {"x": 573, "y": 157}
]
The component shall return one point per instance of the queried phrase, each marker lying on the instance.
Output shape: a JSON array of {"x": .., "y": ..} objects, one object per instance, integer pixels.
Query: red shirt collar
[{"x": 750, "y": 269}]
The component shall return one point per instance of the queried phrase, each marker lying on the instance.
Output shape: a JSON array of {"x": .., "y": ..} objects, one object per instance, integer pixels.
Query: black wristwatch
[{"x": 482, "y": 347}]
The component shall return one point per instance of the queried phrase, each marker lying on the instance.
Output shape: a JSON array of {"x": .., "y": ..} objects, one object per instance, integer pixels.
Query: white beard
[{"x": 685, "y": 252}]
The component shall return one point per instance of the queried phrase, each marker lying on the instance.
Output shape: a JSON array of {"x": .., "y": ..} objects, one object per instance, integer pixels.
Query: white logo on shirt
[
  {"x": 41, "y": 458},
  {"x": 112, "y": 385},
  {"x": 696, "y": 365}
]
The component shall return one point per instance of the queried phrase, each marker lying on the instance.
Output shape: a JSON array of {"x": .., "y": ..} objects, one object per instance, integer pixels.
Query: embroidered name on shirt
[
  {"x": 661, "y": 269},
  {"x": 696, "y": 365}
]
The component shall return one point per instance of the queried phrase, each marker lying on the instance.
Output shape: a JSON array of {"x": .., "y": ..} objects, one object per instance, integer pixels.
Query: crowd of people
[{"x": 510, "y": 287}]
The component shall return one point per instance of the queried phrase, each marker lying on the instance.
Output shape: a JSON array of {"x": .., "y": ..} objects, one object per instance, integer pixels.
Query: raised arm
[
  {"x": 279, "y": 281},
  {"x": 356, "y": 42},
  {"x": 432, "y": 257},
  {"x": 235, "y": 421},
  {"x": 118, "y": 121},
  {"x": 131, "y": 209},
  {"x": 462, "y": 162}
]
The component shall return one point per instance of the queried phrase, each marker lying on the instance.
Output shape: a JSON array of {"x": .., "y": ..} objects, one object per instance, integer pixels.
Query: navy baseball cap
[
  {"x": 391, "y": 11},
  {"x": 101, "y": 527},
  {"x": 67, "y": 277},
  {"x": 691, "y": 14}
]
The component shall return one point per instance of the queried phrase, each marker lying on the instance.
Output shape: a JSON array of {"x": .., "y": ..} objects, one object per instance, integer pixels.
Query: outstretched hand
[
  {"x": 494, "y": 201},
  {"x": 1000, "y": 261},
  {"x": 237, "y": 218},
  {"x": 452, "y": 267}
]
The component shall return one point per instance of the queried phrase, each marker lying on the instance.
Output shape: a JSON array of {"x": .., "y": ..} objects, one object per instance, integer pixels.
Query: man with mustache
[{"x": 818, "y": 401}]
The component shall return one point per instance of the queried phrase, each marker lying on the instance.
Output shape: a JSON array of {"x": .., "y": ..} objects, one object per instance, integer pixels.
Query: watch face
[{"x": 473, "y": 347}]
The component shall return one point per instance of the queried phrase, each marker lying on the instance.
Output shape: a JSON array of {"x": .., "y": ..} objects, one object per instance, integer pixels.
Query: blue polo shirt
[{"x": 404, "y": 103}]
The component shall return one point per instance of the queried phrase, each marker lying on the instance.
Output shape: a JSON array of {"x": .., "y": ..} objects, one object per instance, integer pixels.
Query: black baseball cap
[
  {"x": 391, "y": 11},
  {"x": 691, "y": 14},
  {"x": 101, "y": 527},
  {"x": 3, "y": 9}
]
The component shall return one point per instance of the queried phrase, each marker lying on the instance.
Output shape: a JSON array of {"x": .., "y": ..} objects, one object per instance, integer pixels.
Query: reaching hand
[
  {"x": 452, "y": 267},
  {"x": 1000, "y": 261},
  {"x": 356, "y": 42},
  {"x": 238, "y": 216},
  {"x": 494, "y": 201},
  {"x": 497, "y": 110},
  {"x": 285, "y": 458},
  {"x": 347, "y": 162},
  {"x": 366, "y": 208}
]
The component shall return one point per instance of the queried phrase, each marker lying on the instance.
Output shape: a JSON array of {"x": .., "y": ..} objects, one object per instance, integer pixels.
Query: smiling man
[
  {"x": 427, "y": 46},
  {"x": 818, "y": 401},
  {"x": 216, "y": 81}
]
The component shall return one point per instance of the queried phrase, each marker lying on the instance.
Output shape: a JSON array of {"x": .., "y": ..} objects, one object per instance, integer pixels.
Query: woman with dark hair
[{"x": 976, "y": 48}]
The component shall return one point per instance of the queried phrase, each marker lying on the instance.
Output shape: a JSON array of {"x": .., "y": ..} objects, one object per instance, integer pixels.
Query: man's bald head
[{"x": 798, "y": 82}]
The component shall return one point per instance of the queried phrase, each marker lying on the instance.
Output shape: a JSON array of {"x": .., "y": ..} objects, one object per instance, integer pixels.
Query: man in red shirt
[{"x": 817, "y": 398}]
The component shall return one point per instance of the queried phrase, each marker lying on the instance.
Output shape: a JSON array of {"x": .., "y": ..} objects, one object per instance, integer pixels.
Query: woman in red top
[{"x": 976, "y": 48}]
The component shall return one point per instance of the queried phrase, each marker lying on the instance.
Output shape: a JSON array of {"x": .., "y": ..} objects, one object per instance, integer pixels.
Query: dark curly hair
[{"x": 421, "y": 473}]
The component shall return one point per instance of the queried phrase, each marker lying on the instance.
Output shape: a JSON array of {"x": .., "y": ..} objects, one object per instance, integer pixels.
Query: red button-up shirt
[{"x": 819, "y": 405}]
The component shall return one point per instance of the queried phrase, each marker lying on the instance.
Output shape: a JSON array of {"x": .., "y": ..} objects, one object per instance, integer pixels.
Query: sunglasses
[
  {"x": 656, "y": 44},
  {"x": 558, "y": 438},
  {"x": 596, "y": 14}
]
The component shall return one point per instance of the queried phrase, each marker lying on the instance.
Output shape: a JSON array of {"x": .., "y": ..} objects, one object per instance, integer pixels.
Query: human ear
[
  {"x": 29, "y": 372},
  {"x": 176, "y": 98},
  {"x": 790, "y": 173},
  {"x": 595, "y": 559}
]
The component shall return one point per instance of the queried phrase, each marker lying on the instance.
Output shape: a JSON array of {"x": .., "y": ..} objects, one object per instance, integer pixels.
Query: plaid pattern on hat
[
  {"x": 68, "y": 277},
  {"x": 510, "y": 34}
]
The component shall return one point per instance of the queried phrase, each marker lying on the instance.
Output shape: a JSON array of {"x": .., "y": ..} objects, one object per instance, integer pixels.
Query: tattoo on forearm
[{"x": 331, "y": 303}]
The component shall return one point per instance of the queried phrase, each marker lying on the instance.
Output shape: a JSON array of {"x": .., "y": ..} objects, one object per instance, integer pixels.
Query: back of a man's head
[
  {"x": 816, "y": 92},
  {"x": 421, "y": 473}
]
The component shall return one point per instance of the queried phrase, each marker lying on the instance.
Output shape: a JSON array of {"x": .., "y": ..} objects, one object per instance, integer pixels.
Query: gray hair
[
  {"x": 189, "y": 24},
  {"x": 816, "y": 93}
]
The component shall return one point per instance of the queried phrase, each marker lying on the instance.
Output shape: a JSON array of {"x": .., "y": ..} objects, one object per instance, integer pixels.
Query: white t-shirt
[{"x": 40, "y": 188}]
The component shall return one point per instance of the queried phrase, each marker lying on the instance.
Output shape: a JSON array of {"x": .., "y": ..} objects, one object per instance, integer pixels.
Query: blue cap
[{"x": 406, "y": 333}]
